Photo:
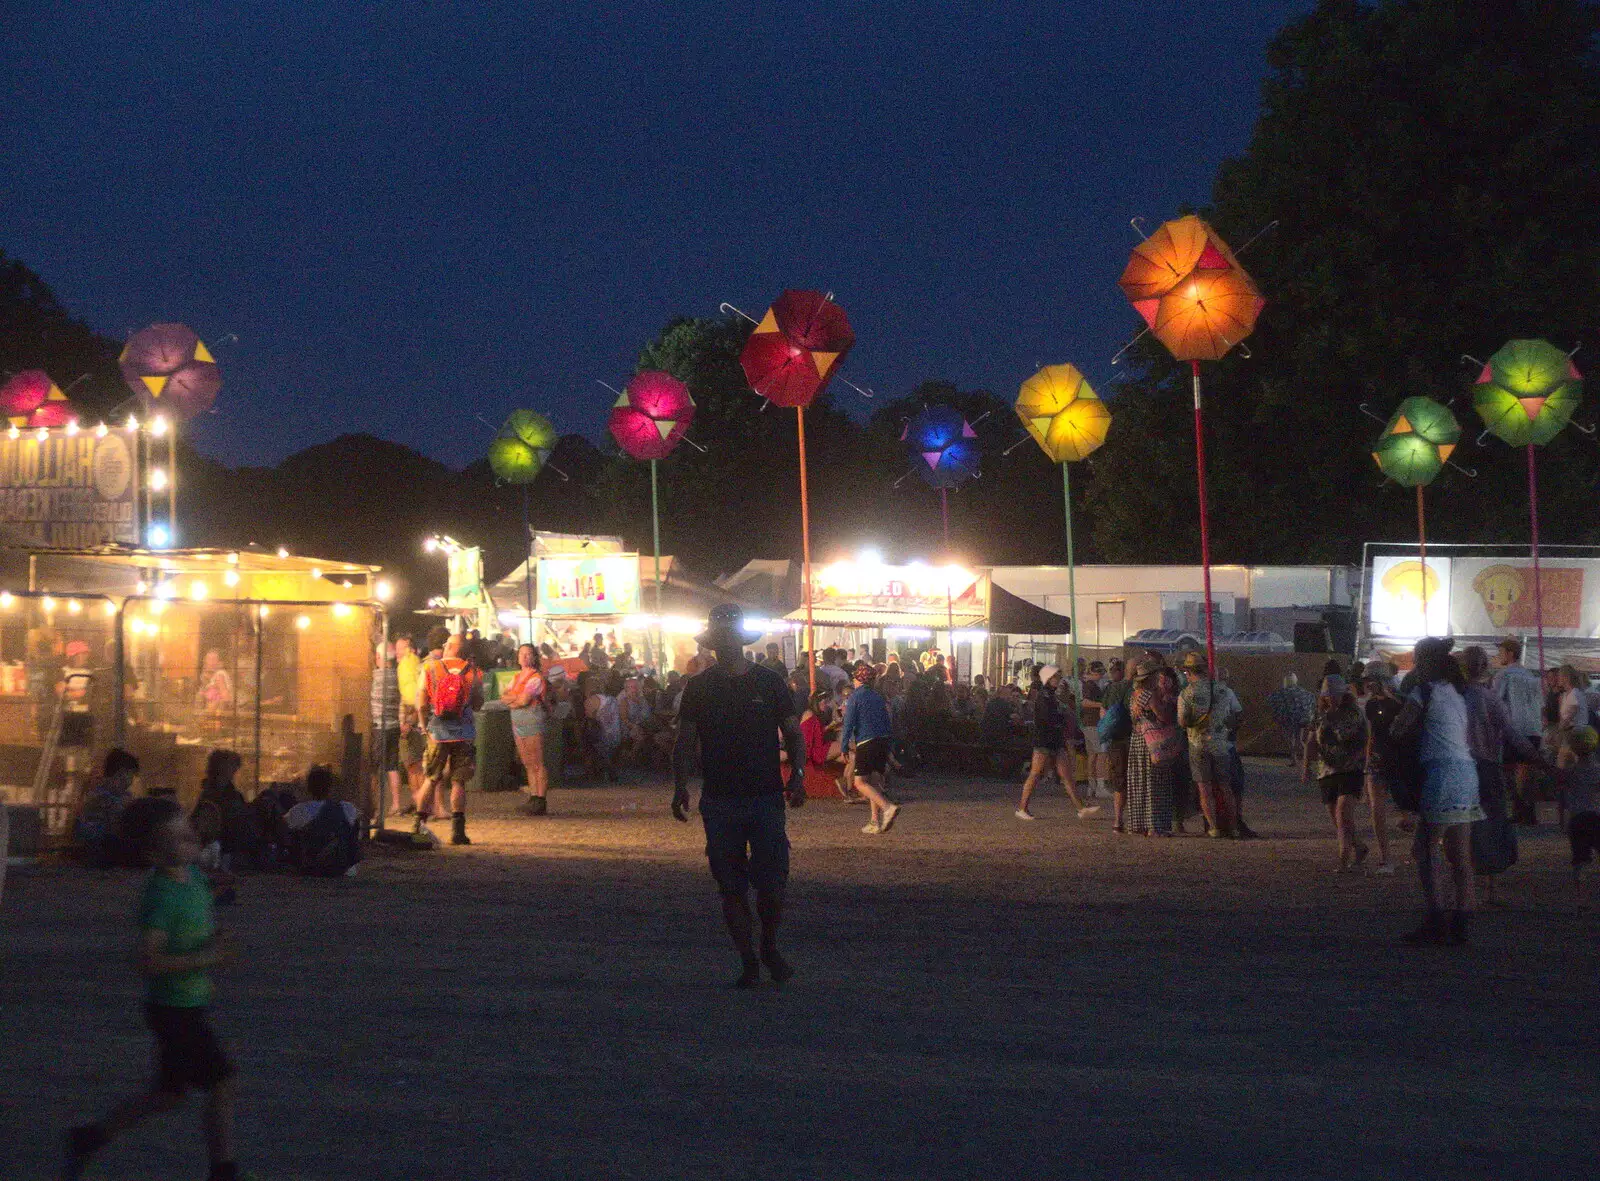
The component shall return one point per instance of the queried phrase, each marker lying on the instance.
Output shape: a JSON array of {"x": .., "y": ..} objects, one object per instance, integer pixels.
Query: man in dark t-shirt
[{"x": 736, "y": 711}]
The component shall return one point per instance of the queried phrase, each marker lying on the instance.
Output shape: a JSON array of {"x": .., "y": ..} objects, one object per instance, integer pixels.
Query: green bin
[{"x": 497, "y": 752}]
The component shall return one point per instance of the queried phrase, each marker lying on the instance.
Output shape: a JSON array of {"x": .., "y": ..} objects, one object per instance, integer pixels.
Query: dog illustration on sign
[{"x": 1499, "y": 587}]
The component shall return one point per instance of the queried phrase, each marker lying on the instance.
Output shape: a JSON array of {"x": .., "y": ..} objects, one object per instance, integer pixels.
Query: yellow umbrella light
[
  {"x": 1062, "y": 412},
  {"x": 1066, "y": 417}
]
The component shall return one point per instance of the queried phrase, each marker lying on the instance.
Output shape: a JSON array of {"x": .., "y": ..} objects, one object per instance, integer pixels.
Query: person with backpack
[
  {"x": 1440, "y": 778},
  {"x": 1381, "y": 709},
  {"x": 1518, "y": 688},
  {"x": 451, "y": 689},
  {"x": 324, "y": 833},
  {"x": 1341, "y": 739}
]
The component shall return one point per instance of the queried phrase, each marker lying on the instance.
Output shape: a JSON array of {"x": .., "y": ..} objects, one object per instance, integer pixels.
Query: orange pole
[
  {"x": 805, "y": 555},
  {"x": 1422, "y": 554}
]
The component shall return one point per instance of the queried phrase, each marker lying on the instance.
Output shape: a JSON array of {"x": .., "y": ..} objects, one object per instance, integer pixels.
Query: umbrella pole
[
  {"x": 1072, "y": 567},
  {"x": 1533, "y": 513},
  {"x": 527, "y": 565},
  {"x": 172, "y": 483},
  {"x": 1205, "y": 521},
  {"x": 949, "y": 596},
  {"x": 655, "y": 524},
  {"x": 805, "y": 556},
  {"x": 1422, "y": 556}
]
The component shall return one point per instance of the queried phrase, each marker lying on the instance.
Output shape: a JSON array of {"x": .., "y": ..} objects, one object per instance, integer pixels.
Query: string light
[
  {"x": 47, "y": 603},
  {"x": 158, "y": 478},
  {"x": 7, "y": 598},
  {"x": 72, "y": 427},
  {"x": 74, "y": 606},
  {"x": 303, "y": 622},
  {"x": 197, "y": 590},
  {"x": 133, "y": 423},
  {"x": 41, "y": 434},
  {"x": 101, "y": 431},
  {"x": 14, "y": 433},
  {"x": 231, "y": 577},
  {"x": 341, "y": 609},
  {"x": 158, "y": 425}
]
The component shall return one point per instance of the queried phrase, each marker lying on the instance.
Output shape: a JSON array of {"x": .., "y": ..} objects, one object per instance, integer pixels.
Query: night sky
[{"x": 413, "y": 214}]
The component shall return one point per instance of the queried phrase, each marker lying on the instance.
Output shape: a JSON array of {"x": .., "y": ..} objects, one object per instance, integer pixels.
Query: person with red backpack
[{"x": 451, "y": 689}]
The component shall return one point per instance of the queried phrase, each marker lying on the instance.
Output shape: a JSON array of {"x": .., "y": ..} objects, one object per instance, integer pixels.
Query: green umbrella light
[
  {"x": 518, "y": 453},
  {"x": 1417, "y": 442},
  {"x": 1527, "y": 392}
]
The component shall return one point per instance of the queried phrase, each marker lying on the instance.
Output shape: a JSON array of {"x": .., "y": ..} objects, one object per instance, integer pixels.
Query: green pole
[
  {"x": 655, "y": 521},
  {"x": 1072, "y": 572}
]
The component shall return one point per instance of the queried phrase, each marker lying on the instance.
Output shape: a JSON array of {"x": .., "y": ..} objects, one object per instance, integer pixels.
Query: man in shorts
[
  {"x": 735, "y": 711},
  {"x": 451, "y": 689},
  {"x": 1205, "y": 711}
]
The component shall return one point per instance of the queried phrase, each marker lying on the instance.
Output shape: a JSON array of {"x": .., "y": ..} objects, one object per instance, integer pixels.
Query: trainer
[{"x": 735, "y": 711}]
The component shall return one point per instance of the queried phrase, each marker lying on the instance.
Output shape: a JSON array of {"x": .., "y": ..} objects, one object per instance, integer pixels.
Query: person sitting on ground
[
  {"x": 324, "y": 832},
  {"x": 224, "y": 816},
  {"x": 102, "y": 812}
]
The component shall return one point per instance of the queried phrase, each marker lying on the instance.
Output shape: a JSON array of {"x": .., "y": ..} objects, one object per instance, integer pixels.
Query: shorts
[
  {"x": 1207, "y": 766},
  {"x": 386, "y": 748},
  {"x": 415, "y": 745},
  {"x": 455, "y": 761},
  {"x": 1343, "y": 783},
  {"x": 747, "y": 842},
  {"x": 188, "y": 1053},
  {"x": 1583, "y": 833},
  {"x": 1050, "y": 752},
  {"x": 527, "y": 723},
  {"x": 872, "y": 757}
]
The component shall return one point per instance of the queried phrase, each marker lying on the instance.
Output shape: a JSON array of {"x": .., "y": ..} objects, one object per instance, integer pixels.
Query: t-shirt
[
  {"x": 1519, "y": 688},
  {"x": 738, "y": 719},
  {"x": 304, "y": 812},
  {"x": 181, "y": 909},
  {"x": 833, "y": 674},
  {"x": 1444, "y": 724}
]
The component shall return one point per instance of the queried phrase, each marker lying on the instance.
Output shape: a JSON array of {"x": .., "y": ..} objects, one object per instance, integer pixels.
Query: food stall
[{"x": 173, "y": 653}]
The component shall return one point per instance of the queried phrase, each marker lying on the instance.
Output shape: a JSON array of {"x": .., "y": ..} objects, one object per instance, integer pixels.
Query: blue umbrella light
[{"x": 944, "y": 446}]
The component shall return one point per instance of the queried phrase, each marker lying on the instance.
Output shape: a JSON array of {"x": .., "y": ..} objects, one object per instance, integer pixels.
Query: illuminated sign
[
  {"x": 1397, "y": 596},
  {"x": 466, "y": 577},
  {"x": 70, "y": 490},
  {"x": 589, "y": 586},
  {"x": 912, "y": 588}
]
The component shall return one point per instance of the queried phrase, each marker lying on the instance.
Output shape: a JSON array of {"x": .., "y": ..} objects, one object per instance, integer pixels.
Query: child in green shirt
[{"x": 178, "y": 947}]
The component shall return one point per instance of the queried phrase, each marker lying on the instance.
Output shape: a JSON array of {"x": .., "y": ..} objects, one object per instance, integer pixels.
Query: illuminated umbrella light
[
  {"x": 170, "y": 369},
  {"x": 1527, "y": 392},
  {"x": 519, "y": 452},
  {"x": 652, "y": 415},
  {"x": 1417, "y": 442},
  {"x": 796, "y": 348},
  {"x": 30, "y": 399},
  {"x": 1191, "y": 291},
  {"x": 1062, "y": 412},
  {"x": 945, "y": 444}
]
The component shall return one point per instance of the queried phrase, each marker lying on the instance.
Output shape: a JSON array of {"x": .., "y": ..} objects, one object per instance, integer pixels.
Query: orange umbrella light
[{"x": 1198, "y": 302}]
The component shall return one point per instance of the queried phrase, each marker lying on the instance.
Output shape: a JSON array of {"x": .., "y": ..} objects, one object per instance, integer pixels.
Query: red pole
[
  {"x": 1533, "y": 512},
  {"x": 1422, "y": 554},
  {"x": 805, "y": 555},
  {"x": 1205, "y": 521}
]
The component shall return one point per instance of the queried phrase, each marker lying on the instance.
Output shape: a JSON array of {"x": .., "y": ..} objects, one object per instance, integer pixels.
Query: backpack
[
  {"x": 1115, "y": 724},
  {"x": 327, "y": 846},
  {"x": 449, "y": 691},
  {"x": 1342, "y": 739},
  {"x": 1403, "y": 759}
]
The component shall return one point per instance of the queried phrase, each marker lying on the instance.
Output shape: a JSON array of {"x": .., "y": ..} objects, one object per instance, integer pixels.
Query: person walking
[
  {"x": 1435, "y": 716},
  {"x": 1518, "y": 688},
  {"x": 1342, "y": 742},
  {"x": 1055, "y": 731},
  {"x": 1154, "y": 748},
  {"x": 526, "y": 697},
  {"x": 451, "y": 690},
  {"x": 1491, "y": 733},
  {"x": 868, "y": 734},
  {"x": 1381, "y": 709},
  {"x": 734, "y": 713}
]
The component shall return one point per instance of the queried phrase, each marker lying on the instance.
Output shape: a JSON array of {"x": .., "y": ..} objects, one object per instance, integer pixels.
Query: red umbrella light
[
  {"x": 652, "y": 415},
  {"x": 796, "y": 348}
]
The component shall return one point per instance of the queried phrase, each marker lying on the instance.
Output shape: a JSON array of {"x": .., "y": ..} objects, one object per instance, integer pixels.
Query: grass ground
[{"x": 977, "y": 998}]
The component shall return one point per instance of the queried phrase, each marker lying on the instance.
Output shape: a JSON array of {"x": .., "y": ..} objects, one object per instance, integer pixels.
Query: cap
[
  {"x": 1194, "y": 662},
  {"x": 865, "y": 674}
]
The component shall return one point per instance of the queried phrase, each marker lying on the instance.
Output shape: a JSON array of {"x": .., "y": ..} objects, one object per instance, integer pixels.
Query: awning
[
  {"x": 1011, "y": 615},
  {"x": 868, "y": 617}
]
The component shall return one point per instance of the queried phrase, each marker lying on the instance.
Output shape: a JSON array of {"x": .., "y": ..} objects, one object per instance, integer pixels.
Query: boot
[
  {"x": 458, "y": 829},
  {"x": 1458, "y": 927},
  {"x": 534, "y": 806},
  {"x": 1432, "y": 930}
]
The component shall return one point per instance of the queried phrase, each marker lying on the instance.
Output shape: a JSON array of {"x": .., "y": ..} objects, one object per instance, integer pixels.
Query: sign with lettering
[
  {"x": 588, "y": 586},
  {"x": 69, "y": 490},
  {"x": 914, "y": 588}
]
